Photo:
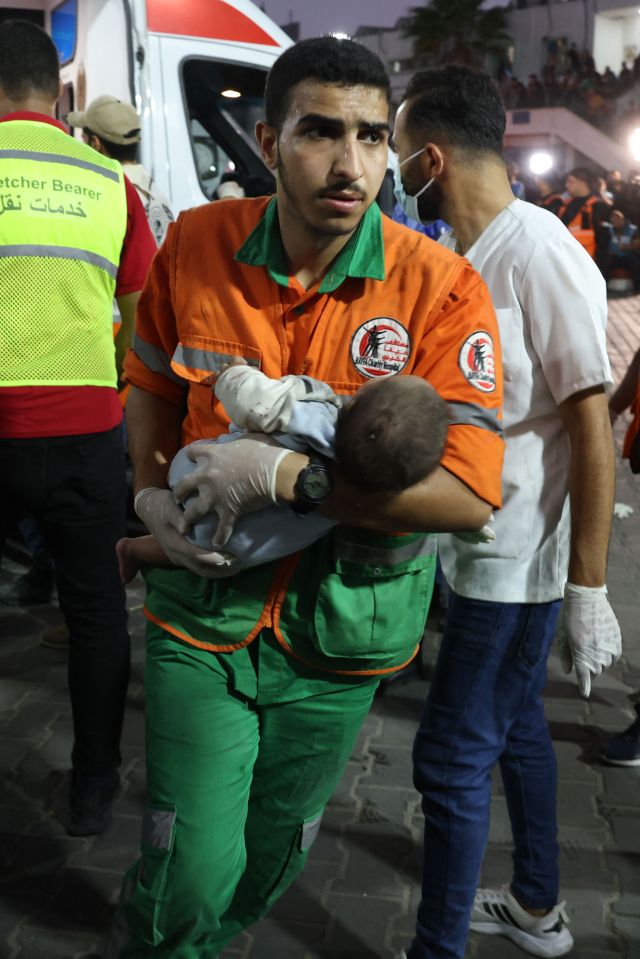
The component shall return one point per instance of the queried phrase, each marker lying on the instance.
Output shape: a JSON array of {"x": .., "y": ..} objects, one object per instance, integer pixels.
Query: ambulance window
[
  {"x": 64, "y": 29},
  {"x": 223, "y": 102}
]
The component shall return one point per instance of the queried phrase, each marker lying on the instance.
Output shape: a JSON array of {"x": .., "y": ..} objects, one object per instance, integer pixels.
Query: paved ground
[{"x": 358, "y": 895}]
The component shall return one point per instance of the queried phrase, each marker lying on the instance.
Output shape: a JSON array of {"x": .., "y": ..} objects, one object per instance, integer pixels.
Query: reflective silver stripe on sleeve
[
  {"x": 59, "y": 158},
  {"x": 469, "y": 414},
  {"x": 207, "y": 359},
  {"x": 61, "y": 253},
  {"x": 375, "y": 556},
  {"x": 155, "y": 359}
]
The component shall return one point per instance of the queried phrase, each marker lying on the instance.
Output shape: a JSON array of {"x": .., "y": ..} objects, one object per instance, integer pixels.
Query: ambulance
[{"x": 194, "y": 69}]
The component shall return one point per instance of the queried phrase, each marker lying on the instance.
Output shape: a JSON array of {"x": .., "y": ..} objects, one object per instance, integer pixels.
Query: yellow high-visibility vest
[{"x": 63, "y": 219}]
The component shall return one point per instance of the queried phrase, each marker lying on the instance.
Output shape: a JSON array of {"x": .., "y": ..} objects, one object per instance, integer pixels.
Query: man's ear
[
  {"x": 433, "y": 159},
  {"x": 267, "y": 137},
  {"x": 96, "y": 143}
]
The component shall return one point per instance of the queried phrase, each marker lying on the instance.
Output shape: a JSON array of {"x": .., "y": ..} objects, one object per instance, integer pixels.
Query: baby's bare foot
[{"x": 128, "y": 564}]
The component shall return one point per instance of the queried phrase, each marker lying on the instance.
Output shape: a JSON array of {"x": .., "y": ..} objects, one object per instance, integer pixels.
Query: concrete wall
[
  {"x": 396, "y": 52},
  {"x": 594, "y": 25},
  {"x": 528, "y": 27},
  {"x": 565, "y": 136},
  {"x": 615, "y": 40},
  {"x": 607, "y": 43}
]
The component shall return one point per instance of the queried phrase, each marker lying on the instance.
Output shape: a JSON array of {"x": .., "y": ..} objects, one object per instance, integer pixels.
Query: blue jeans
[{"x": 484, "y": 706}]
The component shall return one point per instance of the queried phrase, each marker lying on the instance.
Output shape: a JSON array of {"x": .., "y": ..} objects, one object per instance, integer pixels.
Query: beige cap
[
  {"x": 229, "y": 190},
  {"x": 110, "y": 119}
]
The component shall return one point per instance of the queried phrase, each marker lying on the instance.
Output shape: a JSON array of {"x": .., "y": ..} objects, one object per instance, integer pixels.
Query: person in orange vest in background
[
  {"x": 550, "y": 197},
  {"x": 584, "y": 211}
]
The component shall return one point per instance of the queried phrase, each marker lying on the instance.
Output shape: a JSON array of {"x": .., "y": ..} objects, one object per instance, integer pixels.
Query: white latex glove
[
  {"x": 588, "y": 633},
  {"x": 230, "y": 479},
  {"x": 484, "y": 535},
  {"x": 163, "y": 518},
  {"x": 255, "y": 402}
]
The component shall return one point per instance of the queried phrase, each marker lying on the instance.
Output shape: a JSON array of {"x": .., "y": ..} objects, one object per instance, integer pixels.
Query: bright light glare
[
  {"x": 340, "y": 36},
  {"x": 634, "y": 143},
  {"x": 540, "y": 163},
  {"x": 231, "y": 94}
]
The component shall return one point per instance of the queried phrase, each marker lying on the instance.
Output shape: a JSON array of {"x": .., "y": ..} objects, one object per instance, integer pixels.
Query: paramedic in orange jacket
[
  {"x": 583, "y": 212},
  {"x": 257, "y": 684}
]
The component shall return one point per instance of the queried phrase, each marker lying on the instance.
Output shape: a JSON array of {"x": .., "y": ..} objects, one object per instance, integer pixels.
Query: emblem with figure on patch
[
  {"x": 380, "y": 347},
  {"x": 477, "y": 361}
]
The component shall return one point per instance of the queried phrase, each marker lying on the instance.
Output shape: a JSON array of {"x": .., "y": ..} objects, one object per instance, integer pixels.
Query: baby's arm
[{"x": 255, "y": 402}]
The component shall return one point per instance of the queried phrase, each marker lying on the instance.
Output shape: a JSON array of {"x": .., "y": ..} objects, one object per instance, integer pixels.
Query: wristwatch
[{"x": 313, "y": 485}]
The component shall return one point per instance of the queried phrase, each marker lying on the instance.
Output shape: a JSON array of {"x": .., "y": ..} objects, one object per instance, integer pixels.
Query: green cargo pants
[{"x": 243, "y": 752}]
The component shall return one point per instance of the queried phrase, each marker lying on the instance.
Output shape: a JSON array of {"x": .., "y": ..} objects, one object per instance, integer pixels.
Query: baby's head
[{"x": 392, "y": 433}]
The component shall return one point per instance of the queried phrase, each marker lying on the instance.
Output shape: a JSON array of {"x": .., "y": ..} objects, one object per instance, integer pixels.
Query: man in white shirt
[
  {"x": 112, "y": 127},
  {"x": 484, "y": 706}
]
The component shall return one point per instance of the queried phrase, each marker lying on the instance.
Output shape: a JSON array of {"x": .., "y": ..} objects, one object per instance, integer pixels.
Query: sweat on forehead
[{"x": 328, "y": 104}]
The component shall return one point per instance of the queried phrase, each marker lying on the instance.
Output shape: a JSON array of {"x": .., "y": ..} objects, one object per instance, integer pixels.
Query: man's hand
[
  {"x": 163, "y": 518},
  {"x": 588, "y": 634},
  {"x": 230, "y": 479}
]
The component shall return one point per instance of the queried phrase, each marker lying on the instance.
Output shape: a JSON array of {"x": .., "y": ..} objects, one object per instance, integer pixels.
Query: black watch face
[{"x": 317, "y": 485}]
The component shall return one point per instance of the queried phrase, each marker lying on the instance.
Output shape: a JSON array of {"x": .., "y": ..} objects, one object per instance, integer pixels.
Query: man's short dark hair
[
  {"x": 327, "y": 60},
  {"x": 28, "y": 61},
  {"x": 459, "y": 106},
  {"x": 122, "y": 152},
  {"x": 584, "y": 174}
]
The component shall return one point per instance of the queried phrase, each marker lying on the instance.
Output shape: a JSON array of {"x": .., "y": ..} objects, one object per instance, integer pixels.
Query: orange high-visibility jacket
[
  {"x": 582, "y": 225},
  {"x": 393, "y": 302}
]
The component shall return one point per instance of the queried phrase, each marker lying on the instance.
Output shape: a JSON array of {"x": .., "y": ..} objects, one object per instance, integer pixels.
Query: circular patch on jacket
[
  {"x": 380, "y": 347},
  {"x": 477, "y": 361}
]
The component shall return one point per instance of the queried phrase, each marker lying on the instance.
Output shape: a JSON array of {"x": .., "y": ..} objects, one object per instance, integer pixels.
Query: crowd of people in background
[
  {"x": 570, "y": 79},
  {"x": 603, "y": 212}
]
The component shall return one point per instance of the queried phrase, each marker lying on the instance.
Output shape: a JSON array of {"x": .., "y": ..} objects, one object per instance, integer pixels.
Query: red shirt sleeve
[{"x": 139, "y": 247}]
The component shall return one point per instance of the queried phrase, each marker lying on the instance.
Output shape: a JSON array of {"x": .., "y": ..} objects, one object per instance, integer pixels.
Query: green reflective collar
[{"x": 362, "y": 255}]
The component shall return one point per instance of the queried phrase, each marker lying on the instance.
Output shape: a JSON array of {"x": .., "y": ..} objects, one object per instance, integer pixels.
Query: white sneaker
[{"x": 497, "y": 912}]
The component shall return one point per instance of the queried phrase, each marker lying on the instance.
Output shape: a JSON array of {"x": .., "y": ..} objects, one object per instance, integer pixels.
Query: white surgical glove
[
  {"x": 230, "y": 479},
  {"x": 588, "y": 633},
  {"x": 255, "y": 402},
  {"x": 164, "y": 518},
  {"x": 484, "y": 535}
]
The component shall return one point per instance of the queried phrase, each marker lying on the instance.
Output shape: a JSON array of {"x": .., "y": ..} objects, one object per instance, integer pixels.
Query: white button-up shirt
[{"x": 550, "y": 300}]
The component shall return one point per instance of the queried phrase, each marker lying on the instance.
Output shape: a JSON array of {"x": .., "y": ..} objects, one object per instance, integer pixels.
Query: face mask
[{"x": 408, "y": 203}]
